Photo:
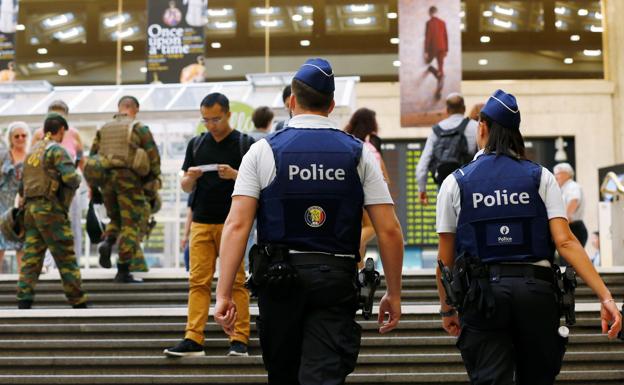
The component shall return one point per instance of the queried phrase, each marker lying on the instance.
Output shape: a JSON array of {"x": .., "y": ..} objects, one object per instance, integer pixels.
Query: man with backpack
[
  {"x": 451, "y": 144},
  {"x": 210, "y": 169}
]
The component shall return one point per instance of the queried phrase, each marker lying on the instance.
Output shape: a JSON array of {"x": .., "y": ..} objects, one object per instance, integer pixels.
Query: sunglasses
[{"x": 19, "y": 136}]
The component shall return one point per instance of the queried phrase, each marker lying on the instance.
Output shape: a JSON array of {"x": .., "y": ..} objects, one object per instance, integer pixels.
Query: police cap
[
  {"x": 502, "y": 108},
  {"x": 318, "y": 74}
]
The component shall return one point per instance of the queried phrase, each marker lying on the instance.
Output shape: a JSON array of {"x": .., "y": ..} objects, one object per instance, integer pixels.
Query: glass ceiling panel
[
  {"x": 160, "y": 98},
  {"x": 266, "y": 96},
  {"x": 95, "y": 100},
  {"x": 22, "y": 103},
  {"x": 192, "y": 97},
  {"x": 236, "y": 91},
  {"x": 68, "y": 96},
  {"x": 103, "y": 99},
  {"x": 137, "y": 92}
]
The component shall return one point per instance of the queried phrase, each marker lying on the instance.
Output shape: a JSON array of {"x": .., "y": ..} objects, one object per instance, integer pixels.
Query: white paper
[{"x": 209, "y": 167}]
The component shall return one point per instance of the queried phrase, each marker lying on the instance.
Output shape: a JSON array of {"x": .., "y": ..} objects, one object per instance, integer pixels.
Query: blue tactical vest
[
  {"x": 502, "y": 217},
  {"x": 315, "y": 201}
]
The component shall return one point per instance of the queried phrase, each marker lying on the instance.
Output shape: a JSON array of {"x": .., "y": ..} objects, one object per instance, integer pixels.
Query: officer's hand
[
  {"x": 451, "y": 325},
  {"x": 610, "y": 315},
  {"x": 423, "y": 198},
  {"x": 227, "y": 172},
  {"x": 183, "y": 243},
  {"x": 225, "y": 314},
  {"x": 194, "y": 172},
  {"x": 392, "y": 307}
]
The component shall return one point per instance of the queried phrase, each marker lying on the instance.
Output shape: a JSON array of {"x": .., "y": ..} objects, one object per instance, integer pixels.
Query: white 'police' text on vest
[
  {"x": 315, "y": 172},
  {"x": 500, "y": 199}
]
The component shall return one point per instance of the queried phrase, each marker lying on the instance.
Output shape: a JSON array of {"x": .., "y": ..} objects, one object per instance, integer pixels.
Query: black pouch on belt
[
  {"x": 258, "y": 266},
  {"x": 281, "y": 276}
]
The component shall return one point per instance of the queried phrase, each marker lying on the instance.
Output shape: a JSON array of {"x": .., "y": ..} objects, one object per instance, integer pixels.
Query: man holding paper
[{"x": 210, "y": 169}]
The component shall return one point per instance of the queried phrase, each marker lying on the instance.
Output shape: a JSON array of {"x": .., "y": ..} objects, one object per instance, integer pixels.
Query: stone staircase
[{"x": 120, "y": 339}]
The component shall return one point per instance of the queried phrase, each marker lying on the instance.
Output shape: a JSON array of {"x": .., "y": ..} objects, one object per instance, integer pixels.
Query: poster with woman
[
  {"x": 430, "y": 55},
  {"x": 175, "y": 40}
]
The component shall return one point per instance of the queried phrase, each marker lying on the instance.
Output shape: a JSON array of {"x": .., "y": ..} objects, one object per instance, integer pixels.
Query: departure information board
[{"x": 418, "y": 221}]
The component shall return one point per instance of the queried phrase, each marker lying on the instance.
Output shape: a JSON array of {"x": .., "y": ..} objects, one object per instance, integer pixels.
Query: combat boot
[
  {"x": 24, "y": 304},
  {"x": 124, "y": 276},
  {"x": 105, "y": 249}
]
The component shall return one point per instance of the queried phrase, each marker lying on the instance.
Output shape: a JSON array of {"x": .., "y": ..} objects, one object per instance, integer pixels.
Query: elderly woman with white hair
[
  {"x": 11, "y": 167},
  {"x": 572, "y": 199}
]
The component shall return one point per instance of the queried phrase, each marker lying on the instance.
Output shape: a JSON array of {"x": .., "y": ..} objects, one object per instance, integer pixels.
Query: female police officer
[{"x": 504, "y": 212}]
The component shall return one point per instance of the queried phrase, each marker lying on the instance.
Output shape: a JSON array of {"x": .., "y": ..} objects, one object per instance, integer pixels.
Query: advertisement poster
[
  {"x": 8, "y": 23},
  {"x": 175, "y": 41},
  {"x": 430, "y": 55}
]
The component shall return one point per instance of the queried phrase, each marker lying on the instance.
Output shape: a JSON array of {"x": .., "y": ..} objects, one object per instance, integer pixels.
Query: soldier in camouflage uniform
[
  {"x": 48, "y": 186},
  {"x": 129, "y": 152}
]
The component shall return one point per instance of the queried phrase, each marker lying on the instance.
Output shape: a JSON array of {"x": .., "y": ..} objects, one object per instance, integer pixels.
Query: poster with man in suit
[{"x": 430, "y": 55}]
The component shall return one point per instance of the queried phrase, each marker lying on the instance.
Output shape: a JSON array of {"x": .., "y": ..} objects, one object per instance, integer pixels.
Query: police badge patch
[{"x": 315, "y": 216}]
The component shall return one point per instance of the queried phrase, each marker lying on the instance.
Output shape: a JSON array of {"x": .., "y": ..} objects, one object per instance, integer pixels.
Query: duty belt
[
  {"x": 312, "y": 258},
  {"x": 542, "y": 273}
]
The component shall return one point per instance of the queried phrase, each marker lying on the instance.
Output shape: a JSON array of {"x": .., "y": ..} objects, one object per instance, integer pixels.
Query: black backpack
[{"x": 450, "y": 151}]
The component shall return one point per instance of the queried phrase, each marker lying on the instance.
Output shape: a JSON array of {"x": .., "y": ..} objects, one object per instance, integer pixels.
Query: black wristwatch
[{"x": 448, "y": 313}]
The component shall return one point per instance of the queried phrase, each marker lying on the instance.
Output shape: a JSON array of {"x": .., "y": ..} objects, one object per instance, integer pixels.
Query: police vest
[
  {"x": 37, "y": 179},
  {"x": 502, "y": 217},
  {"x": 315, "y": 201}
]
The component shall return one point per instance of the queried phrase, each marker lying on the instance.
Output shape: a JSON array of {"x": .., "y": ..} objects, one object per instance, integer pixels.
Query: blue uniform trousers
[
  {"x": 520, "y": 344},
  {"x": 309, "y": 336}
]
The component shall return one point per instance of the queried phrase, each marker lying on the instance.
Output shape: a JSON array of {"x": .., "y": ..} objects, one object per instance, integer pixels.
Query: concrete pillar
[{"x": 613, "y": 54}]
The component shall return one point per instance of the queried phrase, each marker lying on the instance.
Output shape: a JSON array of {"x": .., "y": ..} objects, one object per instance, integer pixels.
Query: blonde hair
[{"x": 12, "y": 127}]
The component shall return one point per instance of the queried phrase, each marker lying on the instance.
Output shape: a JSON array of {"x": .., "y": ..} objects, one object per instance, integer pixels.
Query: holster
[
  {"x": 566, "y": 287},
  {"x": 455, "y": 284},
  {"x": 469, "y": 285},
  {"x": 368, "y": 281},
  {"x": 270, "y": 268}
]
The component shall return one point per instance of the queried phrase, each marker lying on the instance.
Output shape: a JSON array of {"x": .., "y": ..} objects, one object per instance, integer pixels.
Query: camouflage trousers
[
  {"x": 47, "y": 227},
  {"x": 125, "y": 206}
]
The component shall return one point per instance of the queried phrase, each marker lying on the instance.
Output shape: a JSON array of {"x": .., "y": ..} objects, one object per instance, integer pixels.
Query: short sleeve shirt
[
  {"x": 449, "y": 202},
  {"x": 257, "y": 169},
  {"x": 571, "y": 191},
  {"x": 212, "y": 197}
]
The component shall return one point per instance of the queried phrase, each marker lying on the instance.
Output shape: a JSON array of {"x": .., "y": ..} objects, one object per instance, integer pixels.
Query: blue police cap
[
  {"x": 503, "y": 109},
  {"x": 318, "y": 74}
]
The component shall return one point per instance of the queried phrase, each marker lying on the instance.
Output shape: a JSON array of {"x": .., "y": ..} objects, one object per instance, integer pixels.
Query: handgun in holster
[
  {"x": 455, "y": 284},
  {"x": 368, "y": 281},
  {"x": 566, "y": 283},
  {"x": 269, "y": 265}
]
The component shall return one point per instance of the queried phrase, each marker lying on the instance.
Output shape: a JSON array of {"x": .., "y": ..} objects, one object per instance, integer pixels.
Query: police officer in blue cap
[
  {"x": 500, "y": 218},
  {"x": 307, "y": 185}
]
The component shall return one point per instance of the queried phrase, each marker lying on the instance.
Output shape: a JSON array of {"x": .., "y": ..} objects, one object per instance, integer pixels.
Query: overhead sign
[
  {"x": 175, "y": 41},
  {"x": 8, "y": 24}
]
